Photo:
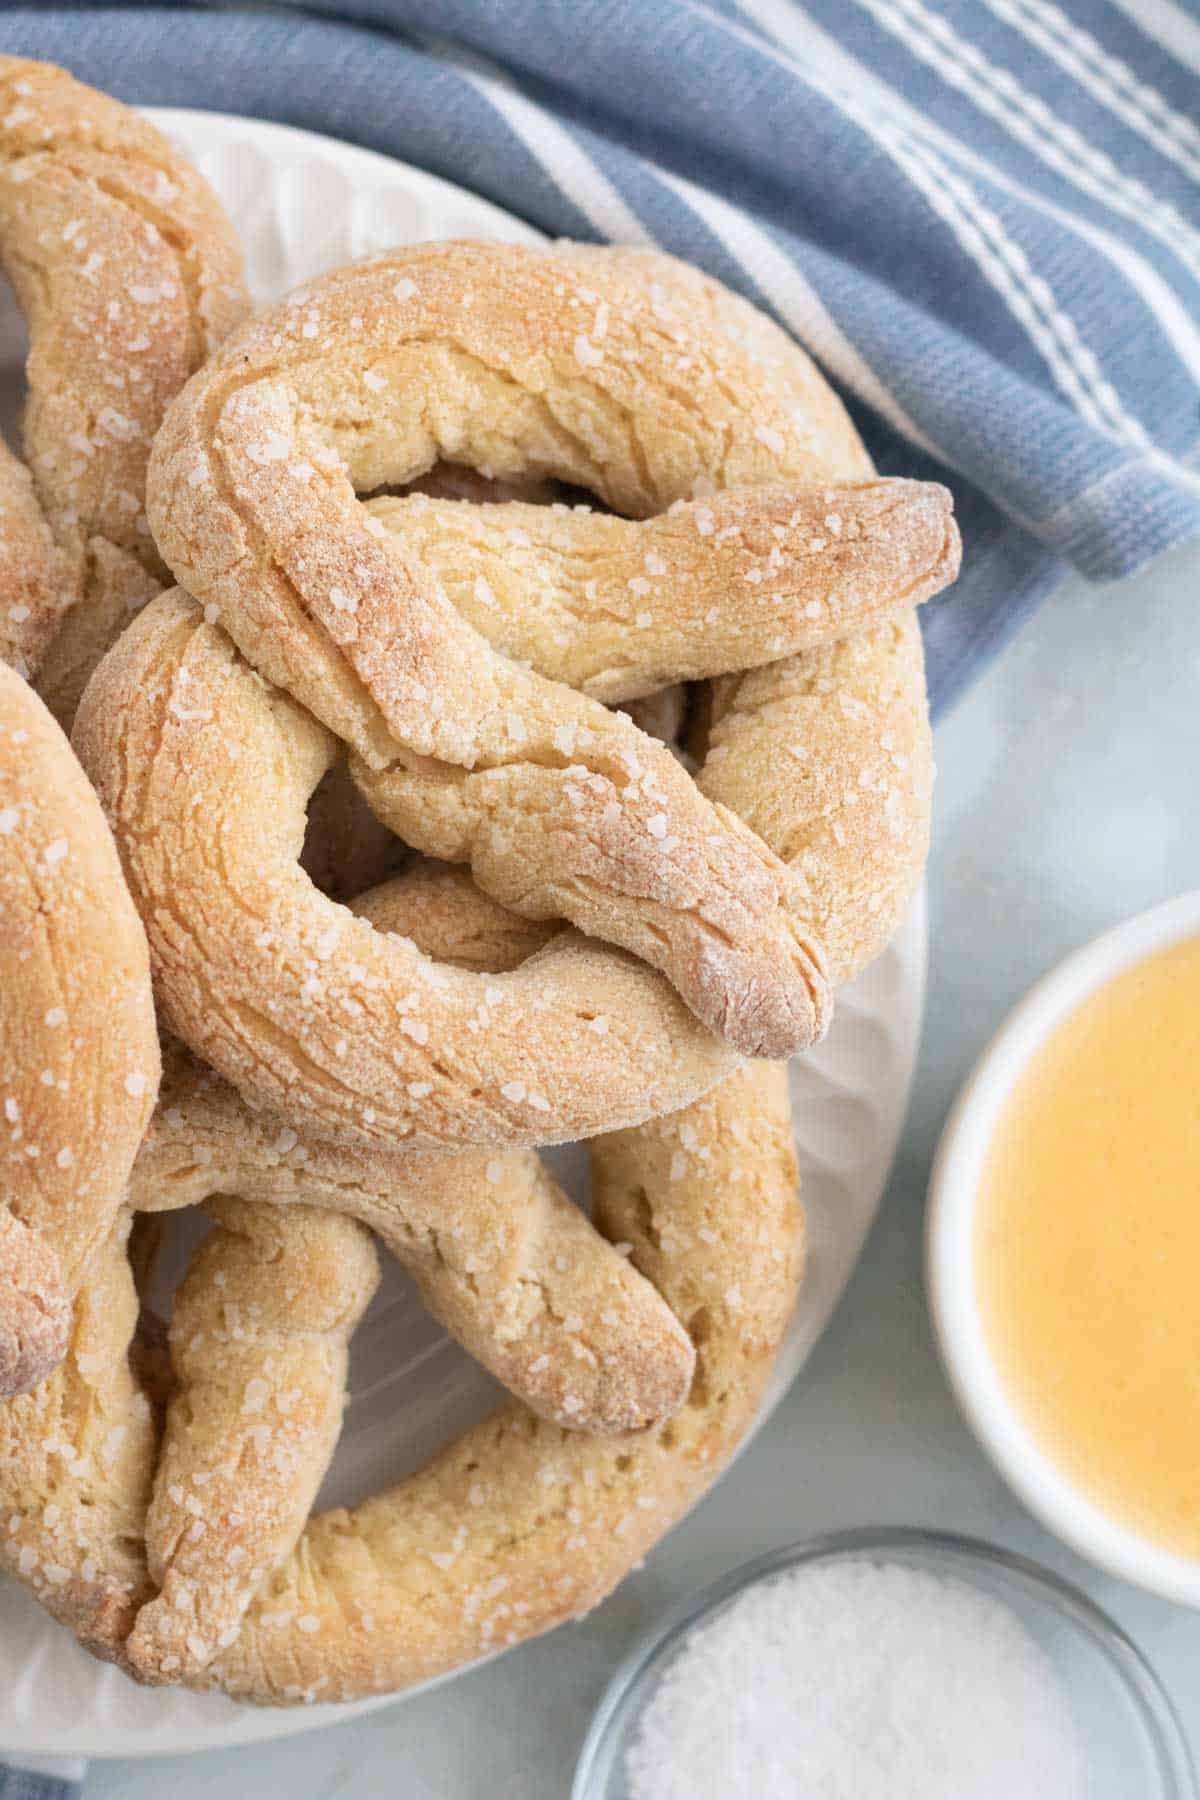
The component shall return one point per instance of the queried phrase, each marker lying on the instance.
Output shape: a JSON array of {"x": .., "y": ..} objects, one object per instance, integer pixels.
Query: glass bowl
[{"x": 1132, "y": 1740}]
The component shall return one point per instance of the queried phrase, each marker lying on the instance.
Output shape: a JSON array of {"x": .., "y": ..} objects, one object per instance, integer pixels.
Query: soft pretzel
[
  {"x": 482, "y": 353},
  {"x": 501, "y": 1256},
  {"x": 129, "y": 275},
  {"x": 78, "y": 1046},
  {"x": 518, "y": 1525}
]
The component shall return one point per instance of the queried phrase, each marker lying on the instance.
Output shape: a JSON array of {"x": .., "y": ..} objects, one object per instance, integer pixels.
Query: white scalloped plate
[{"x": 303, "y": 204}]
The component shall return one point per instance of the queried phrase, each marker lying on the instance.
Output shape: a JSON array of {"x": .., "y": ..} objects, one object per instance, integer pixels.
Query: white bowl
[{"x": 1022, "y": 1460}]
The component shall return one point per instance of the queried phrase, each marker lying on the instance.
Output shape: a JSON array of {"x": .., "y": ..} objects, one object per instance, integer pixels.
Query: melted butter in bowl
[{"x": 1064, "y": 1250}]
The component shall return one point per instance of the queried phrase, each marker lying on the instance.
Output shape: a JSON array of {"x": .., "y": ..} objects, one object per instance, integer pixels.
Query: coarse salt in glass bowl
[{"x": 1132, "y": 1743}]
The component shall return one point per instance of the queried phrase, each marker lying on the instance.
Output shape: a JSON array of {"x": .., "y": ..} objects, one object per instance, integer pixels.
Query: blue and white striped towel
[{"x": 982, "y": 216}]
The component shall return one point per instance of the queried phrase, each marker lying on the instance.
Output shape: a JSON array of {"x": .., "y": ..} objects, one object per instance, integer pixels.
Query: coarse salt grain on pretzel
[
  {"x": 78, "y": 1046},
  {"x": 482, "y": 354},
  {"x": 129, "y": 274}
]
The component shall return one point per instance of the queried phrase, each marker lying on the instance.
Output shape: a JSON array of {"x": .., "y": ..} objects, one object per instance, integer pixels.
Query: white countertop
[{"x": 1066, "y": 800}]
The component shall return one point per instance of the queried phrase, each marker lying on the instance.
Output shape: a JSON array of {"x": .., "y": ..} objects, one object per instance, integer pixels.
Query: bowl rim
[
  {"x": 1028, "y": 1469},
  {"x": 948, "y": 1552}
]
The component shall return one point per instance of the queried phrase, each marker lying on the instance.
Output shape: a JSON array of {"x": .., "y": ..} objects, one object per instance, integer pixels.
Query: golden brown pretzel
[
  {"x": 561, "y": 809},
  {"x": 129, "y": 275},
  {"x": 575, "y": 826},
  {"x": 78, "y": 1046},
  {"x": 518, "y": 1525}
]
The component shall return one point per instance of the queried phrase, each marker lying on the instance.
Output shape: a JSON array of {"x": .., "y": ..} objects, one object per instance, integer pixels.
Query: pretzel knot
[
  {"x": 129, "y": 274},
  {"x": 515, "y": 362}
]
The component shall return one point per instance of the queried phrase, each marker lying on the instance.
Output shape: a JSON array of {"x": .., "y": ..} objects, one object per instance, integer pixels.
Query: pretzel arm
[
  {"x": 77, "y": 1463},
  {"x": 618, "y": 608},
  {"x": 260, "y": 1344},
  {"x": 849, "y": 807},
  {"x": 78, "y": 1046}
]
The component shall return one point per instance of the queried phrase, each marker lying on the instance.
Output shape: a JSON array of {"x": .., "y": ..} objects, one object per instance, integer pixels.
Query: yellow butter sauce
[{"x": 1087, "y": 1247}]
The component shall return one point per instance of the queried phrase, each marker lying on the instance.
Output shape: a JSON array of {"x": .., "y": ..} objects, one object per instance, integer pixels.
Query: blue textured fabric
[
  {"x": 31, "y": 1784},
  {"x": 981, "y": 215}
]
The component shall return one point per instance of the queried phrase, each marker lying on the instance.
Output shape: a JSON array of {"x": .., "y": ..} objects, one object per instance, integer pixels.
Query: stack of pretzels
[{"x": 535, "y": 741}]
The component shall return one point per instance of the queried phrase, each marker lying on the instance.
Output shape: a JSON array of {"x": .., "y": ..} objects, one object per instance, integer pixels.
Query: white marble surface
[{"x": 1066, "y": 800}]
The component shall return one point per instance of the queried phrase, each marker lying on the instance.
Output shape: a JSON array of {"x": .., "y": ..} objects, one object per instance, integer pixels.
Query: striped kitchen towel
[{"x": 982, "y": 216}]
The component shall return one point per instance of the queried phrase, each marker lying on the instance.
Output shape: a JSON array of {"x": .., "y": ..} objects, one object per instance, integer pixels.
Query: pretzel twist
[
  {"x": 562, "y": 810},
  {"x": 129, "y": 275},
  {"x": 78, "y": 1045}
]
